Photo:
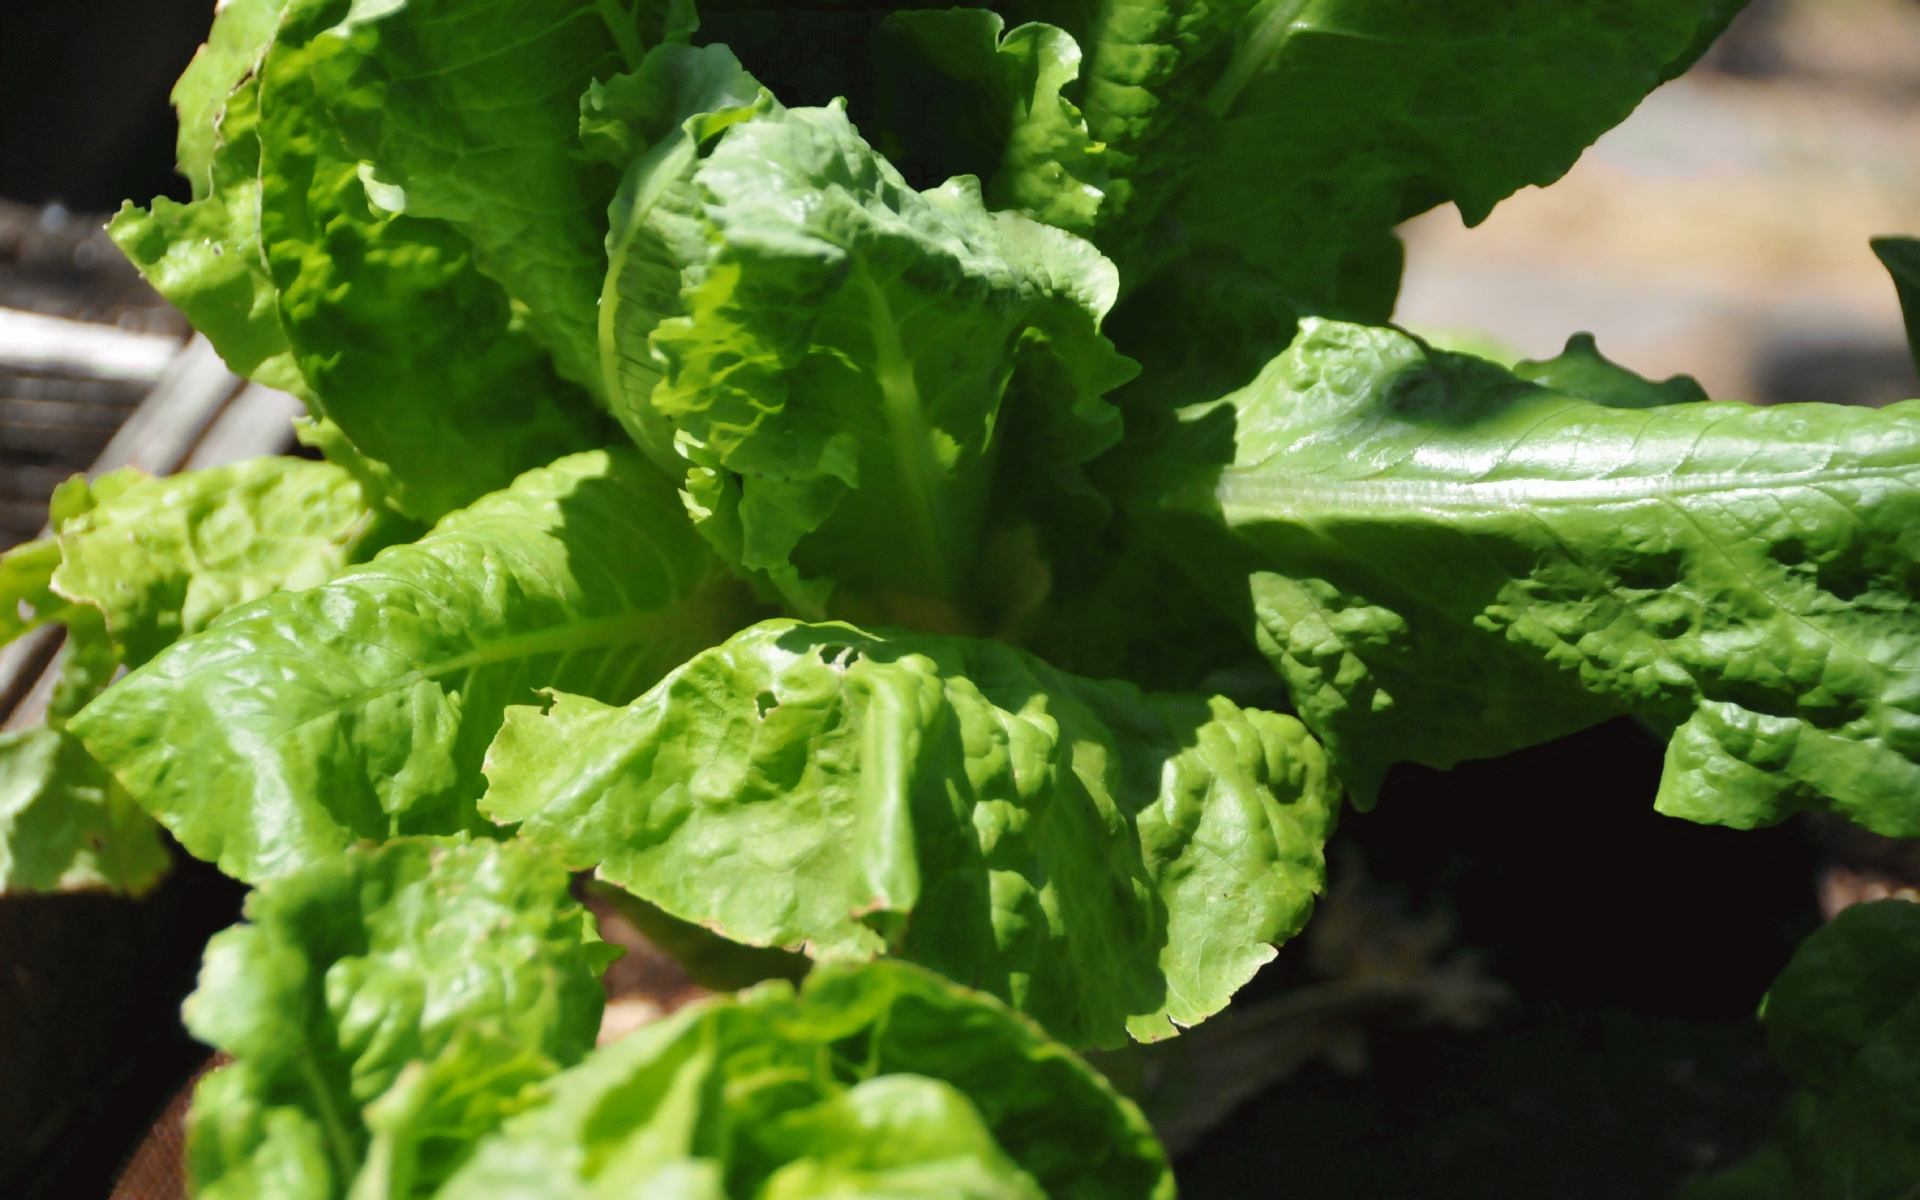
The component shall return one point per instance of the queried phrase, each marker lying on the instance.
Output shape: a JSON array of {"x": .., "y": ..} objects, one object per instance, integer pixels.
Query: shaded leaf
[
  {"x": 470, "y": 109},
  {"x": 65, "y": 825},
  {"x": 1844, "y": 1020},
  {"x": 1901, "y": 257},
  {"x": 415, "y": 356}
]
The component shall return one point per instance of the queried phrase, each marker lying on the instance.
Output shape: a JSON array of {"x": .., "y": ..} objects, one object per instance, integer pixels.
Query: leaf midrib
[
  {"x": 626, "y": 629},
  {"x": 1263, "y": 489}
]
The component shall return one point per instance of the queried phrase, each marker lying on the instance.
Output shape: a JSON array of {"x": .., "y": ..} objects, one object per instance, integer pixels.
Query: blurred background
[{"x": 1720, "y": 232}]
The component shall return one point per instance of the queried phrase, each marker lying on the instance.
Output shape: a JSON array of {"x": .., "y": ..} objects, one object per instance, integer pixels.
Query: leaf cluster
[{"x": 927, "y": 492}]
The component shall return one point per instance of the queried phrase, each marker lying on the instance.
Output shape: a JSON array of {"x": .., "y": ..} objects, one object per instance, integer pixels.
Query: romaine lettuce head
[
  {"x": 882, "y": 1080},
  {"x": 841, "y": 368},
  {"x": 1843, "y": 1020},
  {"x": 1447, "y": 561},
  {"x": 1106, "y": 861},
  {"x": 386, "y": 1008},
  {"x": 295, "y": 725}
]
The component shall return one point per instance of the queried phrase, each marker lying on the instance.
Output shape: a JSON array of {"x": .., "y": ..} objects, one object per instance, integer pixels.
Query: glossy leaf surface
[
  {"x": 361, "y": 708},
  {"x": 160, "y": 558},
  {"x": 1106, "y": 861},
  {"x": 1448, "y": 562}
]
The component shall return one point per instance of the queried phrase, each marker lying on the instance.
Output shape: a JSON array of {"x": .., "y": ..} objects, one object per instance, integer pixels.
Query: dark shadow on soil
[
  {"x": 91, "y": 1044},
  {"x": 1638, "y": 948}
]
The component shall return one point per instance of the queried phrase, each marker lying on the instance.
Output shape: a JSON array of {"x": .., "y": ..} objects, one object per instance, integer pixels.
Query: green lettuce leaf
[
  {"x": 1292, "y": 135},
  {"x": 1107, "y": 862},
  {"x": 1257, "y": 156},
  {"x": 655, "y": 122},
  {"x": 880, "y": 1080},
  {"x": 470, "y": 109},
  {"x": 242, "y": 30},
  {"x": 1843, "y": 1019},
  {"x": 848, "y": 350},
  {"x": 282, "y": 259},
  {"x": 137, "y": 561},
  {"x": 415, "y": 356},
  {"x": 1581, "y": 370},
  {"x": 1298, "y": 133},
  {"x": 1901, "y": 257},
  {"x": 160, "y": 557},
  {"x": 362, "y": 708},
  {"x": 1448, "y": 562},
  {"x": 65, "y": 825},
  {"x": 27, "y": 600},
  {"x": 206, "y": 256},
  {"x": 385, "y": 1009},
  {"x": 965, "y": 97}
]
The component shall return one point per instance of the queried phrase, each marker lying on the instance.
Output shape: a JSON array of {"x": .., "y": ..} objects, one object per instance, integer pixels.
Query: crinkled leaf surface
[
  {"x": 361, "y": 708},
  {"x": 837, "y": 380},
  {"x": 385, "y": 1008},
  {"x": 471, "y": 108},
  {"x": 206, "y": 257},
  {"x": 160, "y": 558},
  {"x": 1106, "y": 861},
  {"x": 413, "y": 353},
  {"x": 1448, "y": 562},
  {"x": 881, "y": 1080},
  {"x": 242, "y": 30},
  {"x": 1844, "y": 1020},
  {"x": 136, "y": 561},
  {"x": 65, "y": 824},
  {"x": 654, "y": 123}
]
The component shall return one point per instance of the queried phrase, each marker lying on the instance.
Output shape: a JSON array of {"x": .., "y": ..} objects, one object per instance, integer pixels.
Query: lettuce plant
[{"x": 933, "y": 492}]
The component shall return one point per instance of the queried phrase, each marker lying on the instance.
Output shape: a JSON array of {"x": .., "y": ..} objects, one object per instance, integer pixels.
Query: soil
[{"x": 91, "y": 1045}]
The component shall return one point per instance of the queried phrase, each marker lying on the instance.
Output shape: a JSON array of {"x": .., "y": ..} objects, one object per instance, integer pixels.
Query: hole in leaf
[
  {"x": 765, "y": 702},
  {"x": 838, "y": 654}
]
